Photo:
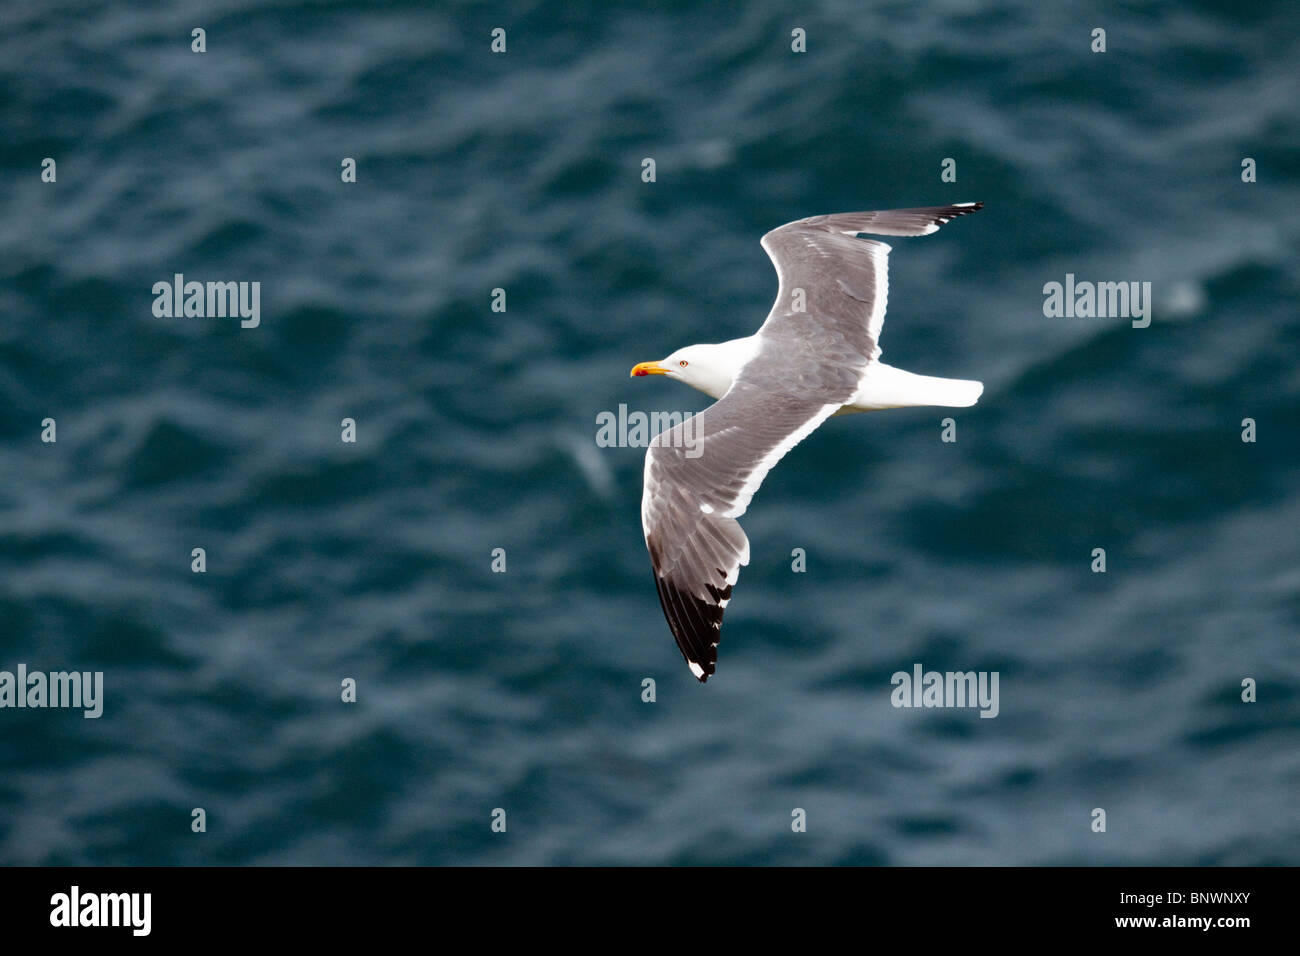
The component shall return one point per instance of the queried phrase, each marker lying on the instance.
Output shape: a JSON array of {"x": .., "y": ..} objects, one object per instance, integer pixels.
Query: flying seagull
[{"x": 816, "y": 355}]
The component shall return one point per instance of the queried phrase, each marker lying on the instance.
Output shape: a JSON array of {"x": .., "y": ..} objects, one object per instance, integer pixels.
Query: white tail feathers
[{"x": 887, "y": 387}]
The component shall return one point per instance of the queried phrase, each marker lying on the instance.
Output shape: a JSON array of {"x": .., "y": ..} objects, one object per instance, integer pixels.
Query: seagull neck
[
  {"x": 719, "y": 364},
  {"x": 738, "y": 352}
]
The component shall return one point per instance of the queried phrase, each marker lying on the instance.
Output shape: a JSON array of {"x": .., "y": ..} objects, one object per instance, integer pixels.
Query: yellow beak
[{"x": 648, "y": 368}]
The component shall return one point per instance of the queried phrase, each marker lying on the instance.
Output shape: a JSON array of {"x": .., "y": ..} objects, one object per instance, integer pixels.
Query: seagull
[{"x": 816, "y": 355}]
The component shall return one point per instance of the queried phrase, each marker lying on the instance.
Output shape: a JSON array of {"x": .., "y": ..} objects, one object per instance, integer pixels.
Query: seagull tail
[{"x": 887, "y": 387}]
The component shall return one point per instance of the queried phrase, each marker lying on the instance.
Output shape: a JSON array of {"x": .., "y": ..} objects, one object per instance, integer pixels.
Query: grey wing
[
  {"x": 834, "y": 287},
  {"x": 920, "y": 221},
  {"x": 700, "y": 477}
]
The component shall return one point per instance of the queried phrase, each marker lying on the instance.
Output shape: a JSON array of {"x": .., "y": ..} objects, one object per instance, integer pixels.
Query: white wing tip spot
[
  {"x": 696, "y": 669},
  {"x": 707, "y": 509}
]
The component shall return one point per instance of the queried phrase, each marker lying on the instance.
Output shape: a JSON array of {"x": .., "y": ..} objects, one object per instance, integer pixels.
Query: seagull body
[{"x": 815, "y": 356}]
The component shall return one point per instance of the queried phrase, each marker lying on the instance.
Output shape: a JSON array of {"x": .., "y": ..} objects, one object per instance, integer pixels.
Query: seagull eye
[{"x": 683, "y": 363}]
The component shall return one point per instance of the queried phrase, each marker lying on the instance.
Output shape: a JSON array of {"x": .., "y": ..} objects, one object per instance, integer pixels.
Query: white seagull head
[{"x": 709, "y": 368}]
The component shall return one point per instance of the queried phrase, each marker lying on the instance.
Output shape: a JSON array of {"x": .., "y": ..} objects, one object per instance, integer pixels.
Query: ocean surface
[{"x": 476, "y": 430}]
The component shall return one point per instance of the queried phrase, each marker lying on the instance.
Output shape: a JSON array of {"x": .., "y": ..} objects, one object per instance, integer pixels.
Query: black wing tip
[
  {"x": 949, "y": 213},
  {"x": 911, "y": 221},
  {"x": 696, "y": 626}
]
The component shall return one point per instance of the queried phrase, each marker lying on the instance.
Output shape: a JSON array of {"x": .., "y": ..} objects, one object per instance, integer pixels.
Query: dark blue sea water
[{"x": 476, "y": 431}]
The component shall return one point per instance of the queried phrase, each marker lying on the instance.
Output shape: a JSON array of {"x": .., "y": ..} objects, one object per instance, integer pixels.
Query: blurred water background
[{"x": 476, "y": 430}]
